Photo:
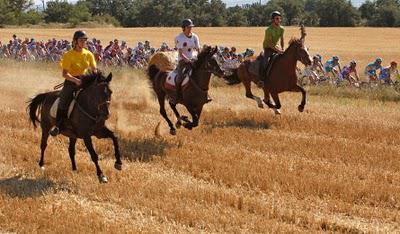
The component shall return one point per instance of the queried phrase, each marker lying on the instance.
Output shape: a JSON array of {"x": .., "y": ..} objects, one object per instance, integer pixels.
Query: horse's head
[
  {"x": 207, "y": 60},
  {"x": 100, "y": 93},
  {"x": 301, "y": 53}
]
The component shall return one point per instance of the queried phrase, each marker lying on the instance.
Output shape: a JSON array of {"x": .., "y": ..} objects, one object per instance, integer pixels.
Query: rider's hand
[{"x": 78, "y": 82}]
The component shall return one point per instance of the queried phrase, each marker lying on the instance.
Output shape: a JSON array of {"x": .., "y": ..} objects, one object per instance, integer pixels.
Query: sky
[{"x": 239, "y": 2}]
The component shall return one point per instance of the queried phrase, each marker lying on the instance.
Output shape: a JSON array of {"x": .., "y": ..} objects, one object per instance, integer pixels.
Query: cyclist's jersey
[
  {"x": 345, "y": 72},
  {"x": 386, "y": 73},
  {"x": 371, "y": 68},
  {"x": 329, "y": 65}
]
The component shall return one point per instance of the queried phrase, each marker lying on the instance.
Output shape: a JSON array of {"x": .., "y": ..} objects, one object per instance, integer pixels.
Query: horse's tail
[
  {"x": 152, "y": 71},
  {"x": 35, "y": 105},
  {"x": 233, "y": 79}
]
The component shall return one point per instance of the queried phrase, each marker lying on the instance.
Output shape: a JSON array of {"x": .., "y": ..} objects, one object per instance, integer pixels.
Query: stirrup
[{"x": 54, "y": 131}]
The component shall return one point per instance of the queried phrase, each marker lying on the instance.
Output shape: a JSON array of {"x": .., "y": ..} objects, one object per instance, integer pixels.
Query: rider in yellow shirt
[{"x": 74, "y": 63}]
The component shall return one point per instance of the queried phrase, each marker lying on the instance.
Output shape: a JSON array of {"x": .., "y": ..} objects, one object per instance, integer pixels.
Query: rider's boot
[{"x": 61, "y": 114}]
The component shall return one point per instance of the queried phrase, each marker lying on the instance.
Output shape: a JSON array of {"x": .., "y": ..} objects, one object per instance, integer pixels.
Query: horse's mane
[
  {"x": 294, "y": 42},
  {"x": 91, "y": 77},
  {"x": 202, "y": 56}
]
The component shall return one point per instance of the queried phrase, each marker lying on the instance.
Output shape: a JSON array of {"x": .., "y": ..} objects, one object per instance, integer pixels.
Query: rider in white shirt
[{"x": 186, "y": 43}]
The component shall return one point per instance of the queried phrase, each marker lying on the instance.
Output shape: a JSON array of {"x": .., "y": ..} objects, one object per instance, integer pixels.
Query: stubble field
[{"x": 334, "y": 168}]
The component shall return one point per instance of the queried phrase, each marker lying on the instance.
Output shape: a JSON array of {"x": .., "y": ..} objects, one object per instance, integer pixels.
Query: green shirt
[{"x": 274, "y": 33}]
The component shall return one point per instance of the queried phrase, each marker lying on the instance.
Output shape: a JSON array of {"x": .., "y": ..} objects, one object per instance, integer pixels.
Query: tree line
[{"x": 146, "y": 13}]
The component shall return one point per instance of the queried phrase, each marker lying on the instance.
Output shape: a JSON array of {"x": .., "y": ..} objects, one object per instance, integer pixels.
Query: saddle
[
  {"x": 54, "y": 107},
  {"x": 254, "y": 67},
  {"x": 170, "y": 81}
]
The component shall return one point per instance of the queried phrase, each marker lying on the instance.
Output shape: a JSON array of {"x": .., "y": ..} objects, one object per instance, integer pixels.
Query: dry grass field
[{"x": 333, "y": 168}]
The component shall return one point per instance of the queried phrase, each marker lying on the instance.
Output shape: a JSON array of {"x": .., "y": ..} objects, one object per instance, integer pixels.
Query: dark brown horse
[
  {"x": 282, "y": 76},
  {"x": 194, "y": 93},
  {"x": 87, "y": 119}
]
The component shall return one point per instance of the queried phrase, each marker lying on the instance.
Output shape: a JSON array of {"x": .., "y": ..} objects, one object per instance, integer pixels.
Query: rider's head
[
  {"x": 353, "y": 64},
  {"x": 335, "y": 58},
  {"x": 79, "y": 39},
  {"x": 276, "y": 18},
  {"x": 187, "y": 25},
  {"x": 378, "y": 61}
]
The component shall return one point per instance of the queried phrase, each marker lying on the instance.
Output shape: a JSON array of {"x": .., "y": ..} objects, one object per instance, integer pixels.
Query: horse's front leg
[
  {"x": 95, "y": 159},
  {"x": 195, "y": 113},
  {"x": 267, "y": 99},
  {"x": 277, "y": 108},
  {"x": 107, "y": 133},
  {"x": 303, "y": 97}
]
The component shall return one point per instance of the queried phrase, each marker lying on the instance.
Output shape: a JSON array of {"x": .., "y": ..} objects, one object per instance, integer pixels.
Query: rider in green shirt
[{"x": 273, "y": 34}]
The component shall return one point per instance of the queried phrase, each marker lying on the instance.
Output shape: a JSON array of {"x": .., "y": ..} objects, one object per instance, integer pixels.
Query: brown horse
[
  {"x": 87, "y": 118},
  {"x": 194, "y": 93},
  {"x": 282, "y": 76}
]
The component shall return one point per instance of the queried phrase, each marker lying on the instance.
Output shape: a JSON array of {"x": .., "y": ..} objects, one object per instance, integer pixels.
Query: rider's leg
[
  {"x": 66, "y": 96},
  {"x": 178, "y": 82}
]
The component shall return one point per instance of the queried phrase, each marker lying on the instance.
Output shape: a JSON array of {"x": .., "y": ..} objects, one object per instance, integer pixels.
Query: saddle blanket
[
  {"x": 170, "y": 82},
  {"x": 54, "y": 107}
]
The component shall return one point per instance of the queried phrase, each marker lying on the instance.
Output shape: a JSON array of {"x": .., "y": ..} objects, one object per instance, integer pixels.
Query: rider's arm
[
  {"x": 183, "y": 56},
  {"x": 71, "y": 78},
  {"x": 282, "y": 43},
  {"x": 356, "y": 74},
  {"x": 340, "y": 69},
  {"x": 321, "y": 67}
]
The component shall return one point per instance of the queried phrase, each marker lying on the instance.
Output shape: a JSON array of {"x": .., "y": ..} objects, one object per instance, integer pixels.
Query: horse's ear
[
  {"x": 303, "y": 32},
  {"x": 109, "y": 78},
  {"x": 215, "y": 50}
]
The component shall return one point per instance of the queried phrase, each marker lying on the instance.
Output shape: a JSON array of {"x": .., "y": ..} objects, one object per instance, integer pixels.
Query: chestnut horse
[
  {"x": 282, "y": 76},
  {"x": 194, "y": 93}
]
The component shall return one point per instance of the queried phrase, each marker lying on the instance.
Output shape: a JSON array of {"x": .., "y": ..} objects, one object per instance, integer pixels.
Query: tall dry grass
[{"x": 334, "y": 168}]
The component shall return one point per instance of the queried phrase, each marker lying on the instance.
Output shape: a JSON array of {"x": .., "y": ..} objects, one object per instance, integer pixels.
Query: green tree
[
  {"x": 58, "y": 11},
  {"x": 236, "y": 16},
  {"x": 12, "y": 11},
  {"x": 337, "y": 13},
  {"x": 79, "y": 13}
]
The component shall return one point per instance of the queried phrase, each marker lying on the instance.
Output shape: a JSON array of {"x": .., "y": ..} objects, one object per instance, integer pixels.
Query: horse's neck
[
  {"x": 86, "y": 100},
  {"x": 202, "y": 78},
  {"x": 289, "y": 57}
]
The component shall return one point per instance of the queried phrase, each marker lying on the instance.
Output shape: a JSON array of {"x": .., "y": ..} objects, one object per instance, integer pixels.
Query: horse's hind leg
[
  {"x": 303, "y": 97},
  {"x": 71, "y": 151},
  {"x": 43, "y": 145},
  {"x": 95, "y": 159},
  {"x": 161, "y": 101}
]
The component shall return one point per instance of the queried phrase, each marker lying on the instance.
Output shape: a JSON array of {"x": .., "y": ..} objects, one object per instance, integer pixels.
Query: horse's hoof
[
  {"x": 42, "y": 168},
  {"x": 172, "y": 132},
  {"x": 277, "y": 112},
  {"x": 185, "y": 118},
  {"x": 178, "y": 124},
  {"x": 188, "y": 126},
  {"x": 118, "y": 166},
  {"x": 301, "y": 108},
  {"x": 103, "y": 179}
]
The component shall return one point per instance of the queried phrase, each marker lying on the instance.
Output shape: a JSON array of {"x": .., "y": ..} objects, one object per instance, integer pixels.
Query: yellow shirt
[{"x": 77, "y": 63}]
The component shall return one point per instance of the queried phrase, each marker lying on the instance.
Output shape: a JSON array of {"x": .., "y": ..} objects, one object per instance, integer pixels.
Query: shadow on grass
[
  {"x": 240, "y": 123},
  {"x": 25, "y": 188},
  {"x": 143, "y": 150}
]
